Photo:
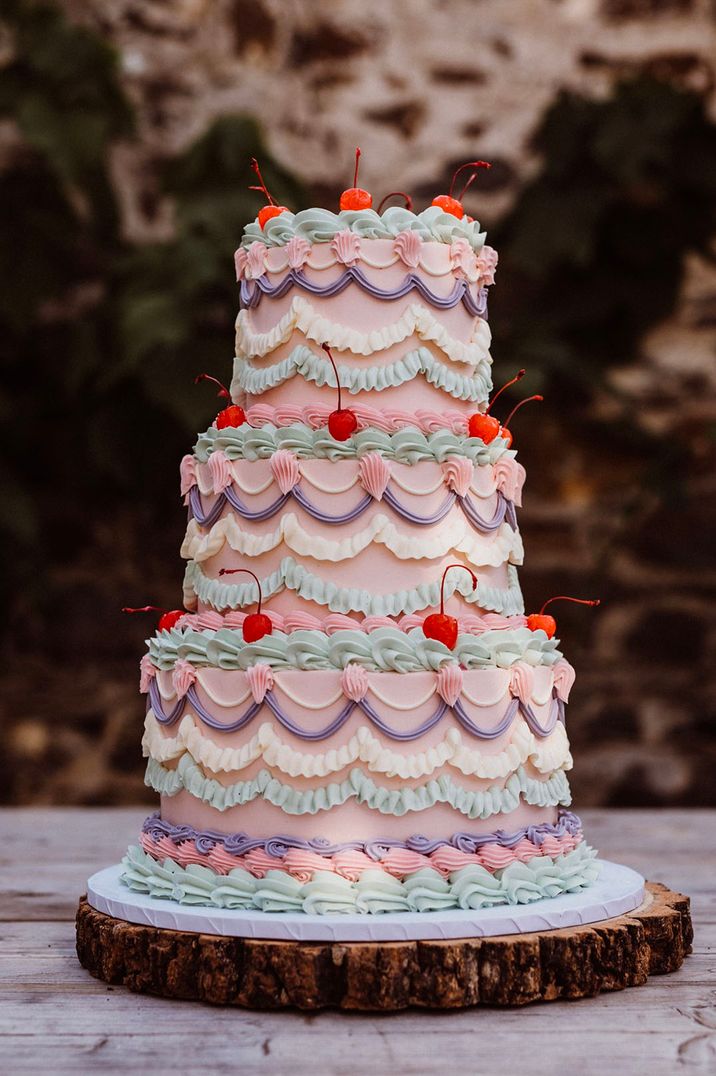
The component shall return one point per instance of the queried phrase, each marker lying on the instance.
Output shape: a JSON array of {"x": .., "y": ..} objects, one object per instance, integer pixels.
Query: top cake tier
[{"x": 401, "y": 299}]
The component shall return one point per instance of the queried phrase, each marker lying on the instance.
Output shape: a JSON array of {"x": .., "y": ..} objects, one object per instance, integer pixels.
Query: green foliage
[
  {"x": 593, "y": 250},
  {"x": 100, "y": 341}
]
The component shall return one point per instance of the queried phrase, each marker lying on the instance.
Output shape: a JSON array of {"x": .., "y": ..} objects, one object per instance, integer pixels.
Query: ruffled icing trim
[
  {"x": 322, "y": 226},
  {"x": 311, "y": 440},
  {"x": 386, "y": 648},
  {"x": 537, "y": 834},
  {"x": 546, "y": 755},
  {"x": 376, "y": 891},
  {"x": 450, "y": 536},
  {"x": 295, "y": 577},
  {"x": 416, "y": 320},
  {"x": 316, "y": 368},
  {"x": 188, "y": 776}
]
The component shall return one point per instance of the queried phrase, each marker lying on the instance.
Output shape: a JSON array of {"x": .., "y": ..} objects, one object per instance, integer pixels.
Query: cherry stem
[
  {"x": 355, "y": 173},
  {"x": 335, "y": 371},
  {"x": 393, "y": 194},
  {"x": 143, "y": 609},
  {"x": 516, "y": 408},
  {"x": 467, "y": 164},
  {"x": 518, "y": 377},
  {"x": 471, "y": 179},
  {"x": 233, "y": 571},
  {"x": 566, "y": 598},
  {"x": 263, "y": 188},
  {"x": 442, "y": 583},
  {"x": 223, "y": 392}
]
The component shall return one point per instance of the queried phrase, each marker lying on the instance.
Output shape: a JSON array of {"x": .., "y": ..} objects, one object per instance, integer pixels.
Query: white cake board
[{"x": 618, "y": 890}]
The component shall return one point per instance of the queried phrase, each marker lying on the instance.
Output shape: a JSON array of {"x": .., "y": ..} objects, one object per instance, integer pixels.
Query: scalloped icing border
[
  {"x": 305, "y": 584},
  {"x": 450, "y": 536},
  {"x": 188, "y": 776},
  {"x": 315, "y": 368}
]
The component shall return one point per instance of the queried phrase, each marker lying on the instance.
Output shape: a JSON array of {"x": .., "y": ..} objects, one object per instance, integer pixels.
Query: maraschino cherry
[
  {"x": 233, "y": 415},
  {"x": 452, "y": 205},
  {"x": 482, "y": 424},
  {"x": 257, "y": 624},
  {"x": 355, "y": 197},
  {"x": 396, "y": 194},
  {"x": 440, "y": 626},
  {"x": 342, "y": 423},
  {"x": 166, "y": 621},
  {"x": 272, "y": 209},
  {"x": 504, "y": 431},
  {"x": 545, "y": 622}
]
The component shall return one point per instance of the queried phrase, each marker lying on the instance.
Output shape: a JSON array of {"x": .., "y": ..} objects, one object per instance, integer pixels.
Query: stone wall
[{"x": 421, "y": 85}]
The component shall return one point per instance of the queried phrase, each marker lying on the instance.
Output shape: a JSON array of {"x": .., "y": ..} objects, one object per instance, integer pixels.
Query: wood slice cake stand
[{"x": 442, "y": 972}]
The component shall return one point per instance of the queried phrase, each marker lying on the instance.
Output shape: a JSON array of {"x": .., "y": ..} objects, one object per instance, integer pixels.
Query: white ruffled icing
[
  {"x": 293, "y": 576},
  {"x": 451, "y": 535},
  {"x": 546, "y": 755},
  {"x": 416, "y": 320}
]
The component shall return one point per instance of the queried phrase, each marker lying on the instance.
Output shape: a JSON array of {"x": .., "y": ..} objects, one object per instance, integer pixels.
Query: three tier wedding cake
[{"x": 352, "y": 713}]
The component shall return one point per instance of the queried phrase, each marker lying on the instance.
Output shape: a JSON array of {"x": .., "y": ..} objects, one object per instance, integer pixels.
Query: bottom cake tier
[
  {"x": 355, "y": 789},
  {"x": 419, "y": 874}
]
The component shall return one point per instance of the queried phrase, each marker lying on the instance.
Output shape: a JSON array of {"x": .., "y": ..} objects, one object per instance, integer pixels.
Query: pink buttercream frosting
[
  {"x": 284, "y": 468},
  {"x": 183, "y": 676},
  {"x": 147, "y": 672},
  {"x": 449, "y": 681},
  {"x": 302, "y": 864},
  {"x": 260, "y": 679},
  {"x": 374, "y": 472},
  {"x": 304, "y": 621},
  {"x": 354, "y": 682}
]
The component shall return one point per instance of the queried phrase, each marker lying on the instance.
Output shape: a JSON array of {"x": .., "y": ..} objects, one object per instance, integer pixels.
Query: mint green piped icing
[
  {"x": 320, "y": 226},
  {"x": 295, "y": 577},
  {"x": 385, "y": 649},
  {"x": 312, "y": 367},
  {"x": 375, "y": 892},
  {"x": 408, "y": 445},
  {"x": 498, "y": 799}
]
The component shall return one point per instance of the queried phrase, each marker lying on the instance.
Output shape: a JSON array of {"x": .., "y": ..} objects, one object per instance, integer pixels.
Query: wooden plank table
[{"x": 55, "y": 1018}]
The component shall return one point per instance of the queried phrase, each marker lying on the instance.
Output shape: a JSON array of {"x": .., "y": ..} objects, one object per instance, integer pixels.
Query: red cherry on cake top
[
  {"x": 233, "y": 415},
  {"x": 355, "y": 197},
  {"x": 257, "y": 624},
  {"x": 504, "y": 431},
  {"x": 166, "y": 621},
  {"x": 272, "y": 209},
  {"x": 482, "y": 424},
  {"x": 452, "y": 205},
  {"x": 546, "y": 623},
  {"x": 342, "y": 423},
  {"x": 440, "y": 626}
]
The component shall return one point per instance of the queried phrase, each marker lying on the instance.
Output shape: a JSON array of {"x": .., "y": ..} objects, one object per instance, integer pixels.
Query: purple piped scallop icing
[
  {"x": 238, "y": 844},
  {"x": 504, "y": 510},
  {"x": 252, "y": 291},
  {"x": 557, "y": 713}
]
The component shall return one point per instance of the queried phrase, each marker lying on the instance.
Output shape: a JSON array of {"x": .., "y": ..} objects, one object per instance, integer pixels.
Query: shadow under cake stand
[{"x": 612, "y": 935}]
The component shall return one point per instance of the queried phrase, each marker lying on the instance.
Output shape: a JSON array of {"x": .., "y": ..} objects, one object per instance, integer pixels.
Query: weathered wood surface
[
  {"x": 516, "y": 969},
  {"x": 55, "y": 1017}
]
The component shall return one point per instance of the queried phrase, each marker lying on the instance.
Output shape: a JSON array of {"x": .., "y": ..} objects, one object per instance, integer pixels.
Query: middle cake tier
[{"x": 364, "y": 534}]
